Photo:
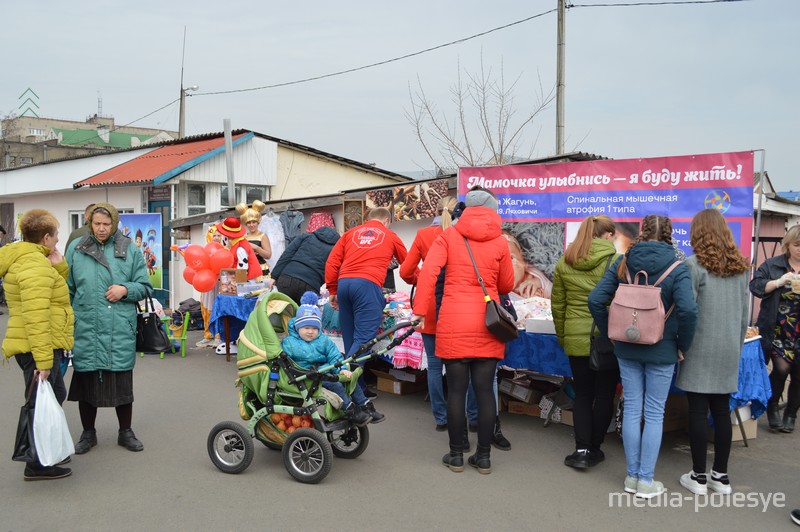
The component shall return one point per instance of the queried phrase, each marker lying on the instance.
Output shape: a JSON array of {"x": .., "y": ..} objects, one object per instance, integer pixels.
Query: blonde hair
[
  {"x": 445, "y": 210},
  {"x": 791, "y": 236},
  {"x": 591, "y": 227},
  {"x": 253, "y": 213}
]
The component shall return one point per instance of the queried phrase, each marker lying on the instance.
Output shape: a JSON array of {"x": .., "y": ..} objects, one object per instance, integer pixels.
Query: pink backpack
[{"x": 636, "y": 314}]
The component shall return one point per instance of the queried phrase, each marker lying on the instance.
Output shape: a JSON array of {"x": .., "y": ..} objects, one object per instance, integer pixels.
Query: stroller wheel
[
  {"x": 307, "y": 455},
  {"x": 230, "y": 447},
  {"x": 349, "y": 443}
]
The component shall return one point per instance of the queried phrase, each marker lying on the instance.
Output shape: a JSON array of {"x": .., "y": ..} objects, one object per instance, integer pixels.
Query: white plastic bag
[{"x": 50, "y": 430}]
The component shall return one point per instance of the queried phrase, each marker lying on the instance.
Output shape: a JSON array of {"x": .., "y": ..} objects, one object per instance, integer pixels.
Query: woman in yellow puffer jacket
[{"x": 40, "y": 322}]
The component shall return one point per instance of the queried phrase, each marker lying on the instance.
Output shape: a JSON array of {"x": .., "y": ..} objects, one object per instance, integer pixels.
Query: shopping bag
[
  {"x": 50, "y": 430},
  {"x": 24, "y": 448}
]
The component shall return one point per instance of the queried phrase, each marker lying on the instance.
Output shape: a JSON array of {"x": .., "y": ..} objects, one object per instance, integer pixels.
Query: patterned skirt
[{"x": 102, "y": 388}]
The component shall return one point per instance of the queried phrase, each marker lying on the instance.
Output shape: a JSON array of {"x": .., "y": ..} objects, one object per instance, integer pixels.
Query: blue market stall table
[
  {"x": 541, "y": 353},
  {"x": 229, "y": 316}
]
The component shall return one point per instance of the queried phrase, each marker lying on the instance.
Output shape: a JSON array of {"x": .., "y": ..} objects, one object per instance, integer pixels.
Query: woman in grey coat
[{"x": 710, "y": 369}]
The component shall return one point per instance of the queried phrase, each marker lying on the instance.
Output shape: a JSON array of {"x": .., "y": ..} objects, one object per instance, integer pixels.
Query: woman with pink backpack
[{"x": 646, "y": 370}]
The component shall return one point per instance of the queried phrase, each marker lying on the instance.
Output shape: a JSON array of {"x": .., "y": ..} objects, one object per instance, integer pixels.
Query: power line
[
  {"x": 663, "y": 3},
  {"x": 379, "y": 63}
]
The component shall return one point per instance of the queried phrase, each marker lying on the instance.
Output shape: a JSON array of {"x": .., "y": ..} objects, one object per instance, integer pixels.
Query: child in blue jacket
[{"x": 310, "y": 349}]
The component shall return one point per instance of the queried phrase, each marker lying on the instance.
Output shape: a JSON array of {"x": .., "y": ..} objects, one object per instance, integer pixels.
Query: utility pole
[
  {"x": 560, "y": 48},
  {"x": 182, "y": 109}
]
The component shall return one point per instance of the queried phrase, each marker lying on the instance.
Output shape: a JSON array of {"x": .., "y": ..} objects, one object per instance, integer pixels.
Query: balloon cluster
[{"x": 204, "y": 263}]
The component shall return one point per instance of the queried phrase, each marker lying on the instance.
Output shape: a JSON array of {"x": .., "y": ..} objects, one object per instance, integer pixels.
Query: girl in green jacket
[{"x": 577, "y": 272}]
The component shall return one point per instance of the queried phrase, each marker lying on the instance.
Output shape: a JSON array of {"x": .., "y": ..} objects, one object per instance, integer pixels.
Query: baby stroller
[{"x": 285, "y": 406}]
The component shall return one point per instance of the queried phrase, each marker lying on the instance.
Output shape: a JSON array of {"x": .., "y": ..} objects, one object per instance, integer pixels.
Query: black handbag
[
  {"x": 24, "y": 446},
  {"x": 498, "y": 320},
  {"x": 601, "y": 353},
  {"x": 150, "y": 334},
  {"x": 601, "y": 349}
]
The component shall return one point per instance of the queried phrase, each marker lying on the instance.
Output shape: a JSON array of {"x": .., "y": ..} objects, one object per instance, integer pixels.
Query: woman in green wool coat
[
  {"x": 577, "y": 272},
  {"x": 107, "y": 276}
]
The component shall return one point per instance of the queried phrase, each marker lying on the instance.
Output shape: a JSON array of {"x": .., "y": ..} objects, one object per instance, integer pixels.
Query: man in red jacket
[{"x": 354, "y": 274}]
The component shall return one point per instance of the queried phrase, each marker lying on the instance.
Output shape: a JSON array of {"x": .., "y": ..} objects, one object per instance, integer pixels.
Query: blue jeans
[
  {"x": 436, "y": 387},
  {"x": 645, "y": 388},
  {"x": 435, "y": 380},
  {"x": 361, "y": 305},
  {"x": 338, "y": 389}
]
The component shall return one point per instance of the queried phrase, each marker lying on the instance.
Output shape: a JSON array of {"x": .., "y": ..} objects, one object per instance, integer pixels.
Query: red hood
[{"x": 479, "y": 223}]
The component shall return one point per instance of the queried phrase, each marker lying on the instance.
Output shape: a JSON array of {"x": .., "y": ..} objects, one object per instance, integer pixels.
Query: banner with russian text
[{"x": 542, "y": 205}]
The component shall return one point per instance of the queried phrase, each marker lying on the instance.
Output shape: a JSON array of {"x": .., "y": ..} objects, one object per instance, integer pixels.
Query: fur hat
[
  {"x": 231, "y": 227},
  {"x": 480, "y": 198},
  {"x": 308, "y": 314}
]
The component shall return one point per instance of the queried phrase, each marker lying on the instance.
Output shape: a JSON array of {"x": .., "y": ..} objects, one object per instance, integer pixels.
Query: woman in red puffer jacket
[{"x": 468, "y": 349}]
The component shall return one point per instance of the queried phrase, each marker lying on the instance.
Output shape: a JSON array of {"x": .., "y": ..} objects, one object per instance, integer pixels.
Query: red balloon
[
  {"x": 222, "y": 258},
  {"x": 196, "y": 257},
  {"x": 204, "y": 280},
  {"x": 188, "y": 274},
  {"x": 212, "y": 247}
]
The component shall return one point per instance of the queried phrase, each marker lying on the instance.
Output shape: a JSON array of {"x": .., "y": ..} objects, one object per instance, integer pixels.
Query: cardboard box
[
  {"x": 540, "y": 326},
  {"x": 518, "y": 407},
  {"x": 388, "y": 383},
  {"x": 676, "y": 413},
  {"x": 520, "y": 390},
  {"x": 750, "y": 426},
  {"x": 408, "y": 375}
]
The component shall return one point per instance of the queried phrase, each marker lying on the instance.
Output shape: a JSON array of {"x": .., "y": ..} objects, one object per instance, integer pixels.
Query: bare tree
[{"x": 486, "y": 126}]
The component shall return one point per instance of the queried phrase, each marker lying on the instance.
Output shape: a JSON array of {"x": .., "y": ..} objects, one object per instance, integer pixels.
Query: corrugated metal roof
[{"x": 162, "y": 164}]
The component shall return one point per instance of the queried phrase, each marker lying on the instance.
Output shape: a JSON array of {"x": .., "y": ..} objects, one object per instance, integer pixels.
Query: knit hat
[
  {"x": 308, "y": 314},
  {"x": 480, "y": 198}
]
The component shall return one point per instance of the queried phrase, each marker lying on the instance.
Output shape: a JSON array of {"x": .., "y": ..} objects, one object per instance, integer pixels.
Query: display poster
[
  {"x": 145, "y": 230},
  {"x": 542, "y": 205}
]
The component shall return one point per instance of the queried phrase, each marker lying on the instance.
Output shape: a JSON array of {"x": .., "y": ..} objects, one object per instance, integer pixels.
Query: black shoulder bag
[
  {"x": 499, "y": 322},
  {"x": 601, "y": 350},
  {"x": 150, "y": 334}
]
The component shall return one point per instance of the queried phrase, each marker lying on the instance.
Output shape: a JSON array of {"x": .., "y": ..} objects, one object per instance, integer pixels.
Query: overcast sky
[{"x": 640, "y": 81}]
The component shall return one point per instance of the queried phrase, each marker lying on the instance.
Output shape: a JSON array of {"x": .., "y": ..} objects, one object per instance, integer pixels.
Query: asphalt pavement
[{"x": 397, "y": 484}]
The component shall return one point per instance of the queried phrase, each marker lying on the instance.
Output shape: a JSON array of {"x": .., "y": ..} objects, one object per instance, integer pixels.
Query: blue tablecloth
[
  {"x": 537, "y": 352},
  {"x": 541, "y": 352},
  {"x": 754, "y": 387},
  {"x": 236, "y": 309}
]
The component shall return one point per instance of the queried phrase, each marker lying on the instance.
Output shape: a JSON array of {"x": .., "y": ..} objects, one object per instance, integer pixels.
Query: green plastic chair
[{"x": 176, "y": 332}]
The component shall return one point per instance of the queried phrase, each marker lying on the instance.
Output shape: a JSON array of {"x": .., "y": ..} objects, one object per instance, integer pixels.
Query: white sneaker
[
  {"x": 630, "y": 484},
  {"x": 646, "y": 490},
  {"x": 697, "y": 484},
  {"x": 720, "y": 484},
  {"x": 205, "y": 342}
]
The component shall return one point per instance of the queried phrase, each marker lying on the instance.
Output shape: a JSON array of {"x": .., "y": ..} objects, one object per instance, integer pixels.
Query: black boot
[
  {"x": 377, "y": 417},
  {"x": 481, "y": 460},
  {"x": 465, "y": 446},
  {"x": 357, "y": 416},
  {"x": 128, "y": 440},
  {"x": 87, "y": 440},
  {"x": 454, "y": 460},
  {"x": 773, "y": 417},
  {"x": 498, "y": 440},
  {"x": 788, "y": 422}
]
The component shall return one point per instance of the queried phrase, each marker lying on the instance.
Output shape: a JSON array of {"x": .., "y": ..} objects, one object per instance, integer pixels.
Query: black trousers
[
  {"x": 699, "y": 406},
  {"x": 28, "y": 366},
  {"x": 594, "y": 402},
  {"x": 294, "y": 287}
]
